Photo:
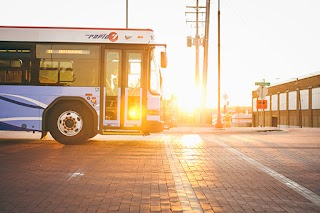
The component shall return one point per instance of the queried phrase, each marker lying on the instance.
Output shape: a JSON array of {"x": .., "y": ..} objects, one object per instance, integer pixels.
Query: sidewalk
[
  {"x": 180, "y": 130},
  {"x": 238, "y": 130}
]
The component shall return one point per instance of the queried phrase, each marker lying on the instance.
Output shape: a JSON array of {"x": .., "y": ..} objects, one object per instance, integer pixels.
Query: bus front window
[{"x": 155, "y": 74}]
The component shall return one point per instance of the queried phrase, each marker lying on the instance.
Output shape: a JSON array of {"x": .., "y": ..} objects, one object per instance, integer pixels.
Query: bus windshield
[{"x": 155, "y": 72}]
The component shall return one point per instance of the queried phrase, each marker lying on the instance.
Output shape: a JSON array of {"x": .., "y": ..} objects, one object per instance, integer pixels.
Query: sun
[{"x": 189, "y": 97}]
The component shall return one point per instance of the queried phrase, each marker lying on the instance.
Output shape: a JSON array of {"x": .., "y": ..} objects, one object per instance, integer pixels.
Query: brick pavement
[{"x": 158, "y": 173}]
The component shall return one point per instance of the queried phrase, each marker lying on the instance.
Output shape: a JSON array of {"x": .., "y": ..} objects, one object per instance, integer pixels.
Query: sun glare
[
  {"x": 189, "y": 99},
  {"x": 191, "y": 140}
]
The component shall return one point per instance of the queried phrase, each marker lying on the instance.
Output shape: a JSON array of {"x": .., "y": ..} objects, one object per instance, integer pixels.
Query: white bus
[{"x": 78, "y": 82}]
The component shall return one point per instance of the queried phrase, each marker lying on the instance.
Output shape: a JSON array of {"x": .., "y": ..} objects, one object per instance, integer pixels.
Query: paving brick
[{"x": 159, "y": 173}]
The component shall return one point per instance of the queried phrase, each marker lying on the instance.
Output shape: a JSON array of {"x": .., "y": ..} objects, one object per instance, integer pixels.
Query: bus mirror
[{"x": 164, "y": 60}]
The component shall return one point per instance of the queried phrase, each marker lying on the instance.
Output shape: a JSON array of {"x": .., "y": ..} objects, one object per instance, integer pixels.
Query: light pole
[
  {"x": 205, "y": 62},
  {"x": 218, "y": 124},
  {"x": 127, "y": 13},
  {"x": 197, "y": 75}
]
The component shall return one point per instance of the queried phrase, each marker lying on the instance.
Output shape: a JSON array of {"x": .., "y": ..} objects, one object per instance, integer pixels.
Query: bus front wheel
[{"x": 69, "y": 123}]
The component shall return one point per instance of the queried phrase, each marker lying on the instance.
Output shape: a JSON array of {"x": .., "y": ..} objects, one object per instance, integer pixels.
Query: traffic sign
[
  {"x": 262, "y": 104},
  {"x": 262, "y": 92},
  {"x": 262, "y": 83}
]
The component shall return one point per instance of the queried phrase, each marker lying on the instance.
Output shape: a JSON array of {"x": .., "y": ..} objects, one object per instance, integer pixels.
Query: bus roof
[{"x": 76, "y": 35}]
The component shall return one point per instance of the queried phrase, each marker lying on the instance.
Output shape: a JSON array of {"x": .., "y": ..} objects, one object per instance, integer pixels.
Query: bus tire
[{"x": 69, "y": 123}]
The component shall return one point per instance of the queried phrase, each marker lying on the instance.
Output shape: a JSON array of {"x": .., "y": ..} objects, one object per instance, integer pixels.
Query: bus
[{"x": 79, "y": 82}]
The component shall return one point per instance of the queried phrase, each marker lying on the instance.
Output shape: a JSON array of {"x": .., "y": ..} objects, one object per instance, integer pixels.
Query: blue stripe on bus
[
  {"x": 5, "y": 126},
  {"x": 20, "y": 103}
]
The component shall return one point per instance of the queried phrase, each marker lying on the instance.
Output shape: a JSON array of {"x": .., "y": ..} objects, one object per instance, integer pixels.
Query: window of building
[
  {"x": 283, "y": 101},
  {"x": 316, "y": 98},
  {"x": 274, "y": 99},
  {"x": 304, "y": 98},
  {"x": 267, "y": 98},
  {"x": 293, "y": 100}
]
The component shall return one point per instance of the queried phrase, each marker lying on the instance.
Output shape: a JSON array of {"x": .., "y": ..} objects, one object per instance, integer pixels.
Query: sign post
[{"x": 262, "y": 104}]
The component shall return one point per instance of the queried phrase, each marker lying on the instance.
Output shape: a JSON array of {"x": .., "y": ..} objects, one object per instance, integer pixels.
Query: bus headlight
[{"x": 134, "y": 113}]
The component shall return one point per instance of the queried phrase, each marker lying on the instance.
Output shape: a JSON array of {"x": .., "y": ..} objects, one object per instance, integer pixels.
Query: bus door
[{"x": 123, "y": 92}]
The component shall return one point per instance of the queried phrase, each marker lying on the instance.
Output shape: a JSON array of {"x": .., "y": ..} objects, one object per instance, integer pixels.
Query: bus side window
[
  {"x": 10, "y": 71},
  {"x": 48, "y": 72},
  {"x": 68, "y": 64},
  {"x": 66, "y": 71},
  {"x": 58, "y": 71},
  {"x": 2, "y": 72}
]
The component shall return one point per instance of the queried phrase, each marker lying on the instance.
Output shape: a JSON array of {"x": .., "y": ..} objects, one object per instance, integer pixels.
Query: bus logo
[
  {"x": 113, "y": 36},
  {"x": 127, "y": 37}
]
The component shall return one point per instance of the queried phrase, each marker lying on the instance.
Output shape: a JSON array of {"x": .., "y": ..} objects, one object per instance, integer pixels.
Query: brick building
[{"x": 294, "y": 103}]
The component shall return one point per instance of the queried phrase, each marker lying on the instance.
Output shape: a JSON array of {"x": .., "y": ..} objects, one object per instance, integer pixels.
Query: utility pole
[
  {"x": 197, "y": 46},
  {"x": 205, "y": 62},
  {"x": 219, "y": 124},
  {"x": 196, "y": 41}
]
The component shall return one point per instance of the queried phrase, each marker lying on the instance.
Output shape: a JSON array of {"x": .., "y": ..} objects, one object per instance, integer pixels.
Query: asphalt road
[{"x": 181, "y": 170}]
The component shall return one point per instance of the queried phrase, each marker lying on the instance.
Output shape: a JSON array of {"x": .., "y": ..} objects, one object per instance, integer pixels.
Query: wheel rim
[{"x": 70, "y": 123}]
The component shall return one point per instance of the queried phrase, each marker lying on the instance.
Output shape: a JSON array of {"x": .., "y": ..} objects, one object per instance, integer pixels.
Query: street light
[
  {"x": 218, "y": 124},
  {"x": 127, "y": 13}
]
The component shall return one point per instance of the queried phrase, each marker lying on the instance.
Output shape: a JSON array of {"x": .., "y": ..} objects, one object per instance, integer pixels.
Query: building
[
  {"x": 241, "y": 120},
  {"x": 294, "y": 103}
]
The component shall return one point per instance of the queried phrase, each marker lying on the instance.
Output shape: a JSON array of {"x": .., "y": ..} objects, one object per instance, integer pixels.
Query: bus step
[{"x": 121, "y": 132}]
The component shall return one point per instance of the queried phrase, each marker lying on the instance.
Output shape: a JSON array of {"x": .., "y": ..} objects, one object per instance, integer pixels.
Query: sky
[{"x": 275, "y": 40}]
